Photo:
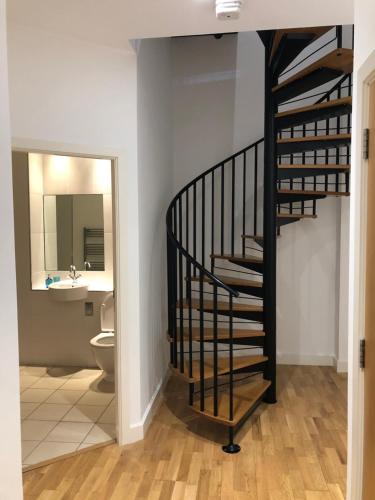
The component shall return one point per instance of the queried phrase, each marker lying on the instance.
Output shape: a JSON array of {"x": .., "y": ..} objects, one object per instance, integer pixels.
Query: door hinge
[
  {"x": 365, "y": 143},
  {"x": 362, "y": 353}
]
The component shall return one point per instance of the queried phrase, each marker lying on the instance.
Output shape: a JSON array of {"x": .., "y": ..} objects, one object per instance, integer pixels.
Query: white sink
[{"x": 67, "y": 291}]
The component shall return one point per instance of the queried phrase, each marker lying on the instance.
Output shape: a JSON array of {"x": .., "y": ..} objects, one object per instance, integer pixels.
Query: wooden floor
[{"x": 293, "y": 450}]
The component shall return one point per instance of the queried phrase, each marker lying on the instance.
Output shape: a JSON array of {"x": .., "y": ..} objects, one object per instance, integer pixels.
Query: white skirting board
[
  {"x": 312, "y": 360},
  {"x": 138, "y": 430}
]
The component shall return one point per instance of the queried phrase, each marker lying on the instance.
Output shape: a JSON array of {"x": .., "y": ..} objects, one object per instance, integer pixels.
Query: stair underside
[
  {"x": 329, "y": 67},
  {"x": 233, "y": 281},
  {"x": 247, "y": 261},
  {"x": 222, "y": 334},
  {"x": 315, "y": 112},
  {"x": 289, "y": 43},
  {"x": 311, "y": 143},
  {"x": 223, "y": 366},
  {"x": 239, "y": 257},
  {"x": 286, "y": 172},
  {"x": 245, "y": 398},
  {"x": 311, "y": 192},
  {"x": 296, "y": 216},
  {"x": 208, "y": 305},
  {"x": 314, "y": 32}
]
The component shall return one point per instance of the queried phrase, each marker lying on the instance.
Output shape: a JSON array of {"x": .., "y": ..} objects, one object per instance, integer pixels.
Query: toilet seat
[{"x": 103, "y": 340}]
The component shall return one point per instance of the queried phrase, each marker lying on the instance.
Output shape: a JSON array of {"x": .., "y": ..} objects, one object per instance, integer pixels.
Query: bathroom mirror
[{"x": 74, "y": 232}]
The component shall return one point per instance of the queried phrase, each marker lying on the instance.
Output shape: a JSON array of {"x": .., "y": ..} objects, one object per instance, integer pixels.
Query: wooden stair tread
[
  {"x": 222, "y": 366},
  {"x": 222, "y": 333},
  {"x": 296, "y": 216},
  {"x": 232, "y": 281},
  {"x": 317, "y": 31},
  {"x": 318, "y": 167},
  {"x": 338, "y": 59},
  {"x": 300, "y": 191},
  {"x": 245, "y": 396},
  {"x": 246, "y": 258},
  {"x": 208, "y": 305},
  {"x": 314, "y": 138},
  {"x": 315, "y": 107}
]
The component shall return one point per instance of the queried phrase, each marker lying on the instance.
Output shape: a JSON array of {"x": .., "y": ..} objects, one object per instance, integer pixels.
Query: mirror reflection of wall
[{"x": 74, "y": 232}]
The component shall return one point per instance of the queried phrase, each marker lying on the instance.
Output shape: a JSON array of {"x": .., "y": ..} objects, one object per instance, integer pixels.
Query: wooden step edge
[
  {"x": 296, "y": 216},
  {"x": 323, "y": 193},
  {"x": 245, "y": 397},
  {"x": 231, "y": 281},
  {"x": 223, "y": 367},
  {"x": 338, "y": 59},
  {"x": 343, "y": 101},
  {"x": 223, "y": 334},
  {"x": 239, "y": 257},
  {"x": 306, "y": 166},
  {"x": 221, "y": 306},
  {"x": 314, "y": 138}
]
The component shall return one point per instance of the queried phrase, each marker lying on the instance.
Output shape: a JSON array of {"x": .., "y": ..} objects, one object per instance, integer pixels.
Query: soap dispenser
[{"x": 49, "y": 281}]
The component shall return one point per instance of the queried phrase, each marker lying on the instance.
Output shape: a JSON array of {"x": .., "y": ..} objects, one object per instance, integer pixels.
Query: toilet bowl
[{"x": 103, "y": 344}]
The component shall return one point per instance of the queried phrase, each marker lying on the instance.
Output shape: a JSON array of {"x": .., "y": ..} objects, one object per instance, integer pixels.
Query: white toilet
[{"x": 103, "y": 345}]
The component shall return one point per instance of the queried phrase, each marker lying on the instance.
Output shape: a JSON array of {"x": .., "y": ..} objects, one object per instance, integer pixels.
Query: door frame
[
  {"x": 127, "y": 351},
  {"x": 364, "y": 77}
]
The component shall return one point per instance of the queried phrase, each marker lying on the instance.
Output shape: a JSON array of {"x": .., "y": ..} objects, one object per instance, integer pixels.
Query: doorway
[{"x": 64, "y": 234}]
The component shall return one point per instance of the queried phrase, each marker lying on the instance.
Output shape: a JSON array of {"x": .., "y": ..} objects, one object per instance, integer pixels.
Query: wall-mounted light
[{"x": 228, "y": 9}]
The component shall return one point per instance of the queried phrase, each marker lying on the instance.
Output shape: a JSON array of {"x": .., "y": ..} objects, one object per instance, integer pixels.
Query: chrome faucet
[{"x": 73, "y": 273}]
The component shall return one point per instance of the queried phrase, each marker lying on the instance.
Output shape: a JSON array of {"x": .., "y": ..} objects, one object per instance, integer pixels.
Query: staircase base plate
[{"x": 231, "y": 448}]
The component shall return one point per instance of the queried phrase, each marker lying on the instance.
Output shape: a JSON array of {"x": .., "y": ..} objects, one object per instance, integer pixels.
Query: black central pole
[{"x": 269, "y": 231}]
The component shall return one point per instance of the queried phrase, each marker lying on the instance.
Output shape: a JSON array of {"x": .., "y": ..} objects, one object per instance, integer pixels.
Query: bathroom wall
[
  {"x": 50, "y": 333},
  {"x": 58, "y": 175}
]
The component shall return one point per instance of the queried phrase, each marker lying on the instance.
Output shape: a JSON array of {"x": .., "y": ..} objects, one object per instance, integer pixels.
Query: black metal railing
[
  {"x": 207, "y": 219},
  {"x": 334, "y": 182}
]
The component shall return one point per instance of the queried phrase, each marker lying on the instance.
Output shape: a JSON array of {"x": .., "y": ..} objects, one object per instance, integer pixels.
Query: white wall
[
  {"x": 10, "y": 430},
  {"x": 217, "y": 100},
  {"x": 155, "y": 192},
  {"x": 81, "y": 98}
]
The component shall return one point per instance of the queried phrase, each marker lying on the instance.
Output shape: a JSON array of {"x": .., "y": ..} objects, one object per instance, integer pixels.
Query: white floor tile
[
  {"x": 49, "y": 383},
  {"x": 46, "y": 451},
  {"x": 96, "y": 398},
  {"x": 77, "y": 384},
  {"x": 35, "y": 395},
  {"x": 109, "y": 416},
  {"x": 37, "y": 371},
  {"x": 101, "y": 433},
  {"x": 27, "y": 408},
  {"x": 32, "y": 430},
  {"x": 86, "y": 373},
  {"x": 27, "y": 380},
  {"x": 28, "y": 447},
  {"x": 50, "y": 412},
  {"x": 69, "y": 432},
  {"x": 65, "y": 397},
  {"x": 84, "y": 413}
]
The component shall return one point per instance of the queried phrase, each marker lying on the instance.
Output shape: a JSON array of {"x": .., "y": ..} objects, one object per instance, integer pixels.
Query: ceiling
[{"x": 114, "y": 22}]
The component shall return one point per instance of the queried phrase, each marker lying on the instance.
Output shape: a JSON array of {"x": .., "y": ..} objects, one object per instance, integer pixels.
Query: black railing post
[{"x": 269, "y": 233}]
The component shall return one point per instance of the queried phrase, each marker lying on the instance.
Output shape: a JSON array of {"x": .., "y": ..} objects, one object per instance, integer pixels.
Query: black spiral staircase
[{"x": 222, "y": 227}]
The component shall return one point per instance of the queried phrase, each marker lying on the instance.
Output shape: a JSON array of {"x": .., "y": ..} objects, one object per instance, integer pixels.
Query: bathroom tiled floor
[{"x": 63, "y": 410}]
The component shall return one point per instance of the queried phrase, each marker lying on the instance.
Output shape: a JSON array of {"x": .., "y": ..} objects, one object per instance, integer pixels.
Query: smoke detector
[{"x": 228, "y": 9}]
